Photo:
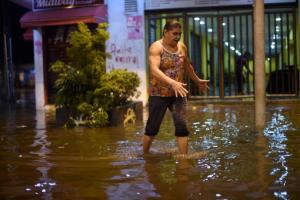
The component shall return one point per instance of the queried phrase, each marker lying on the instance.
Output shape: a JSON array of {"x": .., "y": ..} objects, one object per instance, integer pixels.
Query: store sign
[
  {"x": 46, "y": 4},
  {"x": 173, "y": 4}
]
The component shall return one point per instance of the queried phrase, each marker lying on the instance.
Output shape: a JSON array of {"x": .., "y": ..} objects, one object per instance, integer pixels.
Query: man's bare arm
[{"x": 154, "y": 61}]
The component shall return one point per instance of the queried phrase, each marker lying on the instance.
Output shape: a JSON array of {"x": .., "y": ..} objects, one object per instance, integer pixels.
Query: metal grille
[
  {"x": 281, "y": 66},
  {"x": 217, "y": 43},
  {"x": 237, "y": 54},
  {"x": 203, "y": 43},
  {"x": 131, "y": 6}
]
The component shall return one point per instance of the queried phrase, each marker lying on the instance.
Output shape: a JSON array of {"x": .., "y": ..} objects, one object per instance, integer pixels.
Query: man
[
  {"x": 241, "y": 62},
  {"x": 168, "y": 62}
]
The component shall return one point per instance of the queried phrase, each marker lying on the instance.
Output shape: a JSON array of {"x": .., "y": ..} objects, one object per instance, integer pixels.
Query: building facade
[{"x": 218, "y": 34}]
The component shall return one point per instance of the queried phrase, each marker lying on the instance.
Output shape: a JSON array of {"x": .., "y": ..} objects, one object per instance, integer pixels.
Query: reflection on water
[
  {"x": 276, "y": 134},
  {"x": 228, "y": 159},
  {"x": 132, "y": 182},
  {"x": 41, "y": 149}
]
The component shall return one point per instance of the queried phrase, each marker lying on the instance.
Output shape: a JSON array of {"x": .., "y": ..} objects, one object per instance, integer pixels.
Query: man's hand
[
  {"x": 179, "y": 88},
  {"x": 203, "y": 85}
]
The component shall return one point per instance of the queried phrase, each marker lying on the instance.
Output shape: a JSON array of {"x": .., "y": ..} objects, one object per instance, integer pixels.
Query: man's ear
[{"x": 165, "y": 32}]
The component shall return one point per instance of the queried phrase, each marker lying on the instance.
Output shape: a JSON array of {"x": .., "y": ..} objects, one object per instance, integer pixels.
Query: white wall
[
  {"x": 39, "y": 69},
  {"x": 127, "y": 42}
]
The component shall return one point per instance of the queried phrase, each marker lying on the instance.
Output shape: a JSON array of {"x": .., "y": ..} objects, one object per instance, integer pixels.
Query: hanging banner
[
  {"x": 172, "y": 4},
  {"x": 48, "y": 4}
]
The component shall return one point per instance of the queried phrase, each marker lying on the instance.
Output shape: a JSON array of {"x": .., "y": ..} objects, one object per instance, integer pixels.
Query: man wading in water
[{"x": 168, "y": 63}]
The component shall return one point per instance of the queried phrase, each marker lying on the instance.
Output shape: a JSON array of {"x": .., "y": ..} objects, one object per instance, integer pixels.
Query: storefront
[
  {"x": 219, "y": 35},
  {"x": 51, "y": 22}
]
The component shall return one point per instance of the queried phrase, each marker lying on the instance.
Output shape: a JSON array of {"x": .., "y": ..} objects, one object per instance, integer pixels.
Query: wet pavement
[{"x": 228, "y": 159}]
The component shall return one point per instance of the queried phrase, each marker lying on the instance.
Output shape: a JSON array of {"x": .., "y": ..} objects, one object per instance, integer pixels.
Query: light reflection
[
  {"x": 276, "y": 133},
  {"x": 282, "y": 195},
  {"x": 137, "y": 183},
  {"x": 132, "y": 181},
  {"x": 231, "y": 167},
  {"x": 216, "y": 133},
  {"x": 44, "y": 184},
  {"x": 227, "y": 138}
]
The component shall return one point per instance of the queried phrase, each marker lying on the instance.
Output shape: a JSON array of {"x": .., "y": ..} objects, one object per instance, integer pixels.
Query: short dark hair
[
  {"x": 171, "y": 23},
  {"x": 246, "y": 55}
]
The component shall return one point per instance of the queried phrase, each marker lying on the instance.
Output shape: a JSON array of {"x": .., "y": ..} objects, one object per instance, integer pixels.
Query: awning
[{"x": 94, "y": 14}]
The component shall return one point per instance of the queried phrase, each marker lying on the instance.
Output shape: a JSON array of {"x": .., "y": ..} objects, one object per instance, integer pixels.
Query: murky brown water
[{"x": 228, "y": 159}]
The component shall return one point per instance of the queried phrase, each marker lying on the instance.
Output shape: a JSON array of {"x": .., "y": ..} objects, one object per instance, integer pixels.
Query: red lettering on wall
[{"x": 123, "y": 56}]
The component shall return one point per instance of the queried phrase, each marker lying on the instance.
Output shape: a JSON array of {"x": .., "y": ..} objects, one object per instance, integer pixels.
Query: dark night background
[{"x": 22, "y": 50}]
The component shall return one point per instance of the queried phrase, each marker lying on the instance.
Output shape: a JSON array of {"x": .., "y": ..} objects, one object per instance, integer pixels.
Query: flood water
[{"x": 228, "y": 158}]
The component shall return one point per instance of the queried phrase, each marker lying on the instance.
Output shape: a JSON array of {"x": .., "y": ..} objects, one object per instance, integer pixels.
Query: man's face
[{"x": 173, "y": 35}]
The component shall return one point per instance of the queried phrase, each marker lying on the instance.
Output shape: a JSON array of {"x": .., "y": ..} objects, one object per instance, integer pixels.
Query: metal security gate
[
  {"x": 204, "y": 51},
  {"x": 225, "y": 52},
  {"x": 221, "y": 48},
  {"x": 281, "y": 65}
]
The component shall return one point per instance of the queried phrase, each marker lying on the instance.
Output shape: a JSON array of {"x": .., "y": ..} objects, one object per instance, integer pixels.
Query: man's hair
[
  {"x": 170, "y": 24},
  {"x": 246, "y": 55}
]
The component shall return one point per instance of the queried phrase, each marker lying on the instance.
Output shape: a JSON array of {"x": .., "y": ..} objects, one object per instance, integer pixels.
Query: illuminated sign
[
  {"x": 46, "y": 4},
  {"x": 173, "y": 4}
]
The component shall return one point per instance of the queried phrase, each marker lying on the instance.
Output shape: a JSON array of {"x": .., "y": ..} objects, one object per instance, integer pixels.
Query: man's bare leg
[
  {"x": 147, "y": 141},
  {"x": 182, "y": 145}
]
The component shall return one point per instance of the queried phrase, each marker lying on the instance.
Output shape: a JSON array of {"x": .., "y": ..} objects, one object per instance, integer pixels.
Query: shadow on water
[{"x": 228, "y": 159}]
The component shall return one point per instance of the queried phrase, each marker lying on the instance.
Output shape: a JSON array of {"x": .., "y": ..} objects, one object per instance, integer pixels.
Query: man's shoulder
[
  {"x": 156, "y": 43},
  {"x": 156, "y": 46}
]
